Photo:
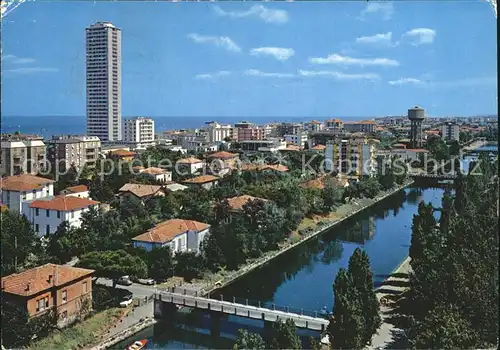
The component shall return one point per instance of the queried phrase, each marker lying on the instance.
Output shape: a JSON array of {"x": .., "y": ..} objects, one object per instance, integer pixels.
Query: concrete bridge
[{"x": 164, "y": 301}]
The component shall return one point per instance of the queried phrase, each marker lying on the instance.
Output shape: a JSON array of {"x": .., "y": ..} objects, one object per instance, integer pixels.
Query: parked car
[
  {"x": 146, "y": 281},
  {"x": 127, "y": 300},
  {"x": 124, "y": 281}
]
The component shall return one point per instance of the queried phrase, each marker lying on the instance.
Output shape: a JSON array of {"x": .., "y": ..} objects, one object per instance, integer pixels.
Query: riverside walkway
[{"x": 303, "y": 319}]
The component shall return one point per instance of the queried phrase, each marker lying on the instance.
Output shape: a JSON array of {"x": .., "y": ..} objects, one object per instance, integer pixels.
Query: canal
[{"x": 302, "y": 278}]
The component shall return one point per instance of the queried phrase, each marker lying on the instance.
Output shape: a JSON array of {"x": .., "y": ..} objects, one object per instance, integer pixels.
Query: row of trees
[{"x": 453, "y": 299}]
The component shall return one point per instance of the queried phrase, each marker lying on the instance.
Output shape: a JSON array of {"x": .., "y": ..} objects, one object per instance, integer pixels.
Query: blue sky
[{"x": 258, "y": 59}]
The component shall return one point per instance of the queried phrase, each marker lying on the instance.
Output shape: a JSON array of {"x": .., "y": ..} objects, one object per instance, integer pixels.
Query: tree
[
  {"x": 247, "y": 340},
  {"x": 360, "y": 272},
  {"x": 284, "y": 336},
  {"x": 160, "y": 263},
  {"x": 347, "y": 326},
  {"x": 18, "y": 241},
  {"x": 188, "y": 265},
  {"x": 331, "y": 194},
  {"x": 62, "y": 245},
  {"x": 114, "y": 264}
]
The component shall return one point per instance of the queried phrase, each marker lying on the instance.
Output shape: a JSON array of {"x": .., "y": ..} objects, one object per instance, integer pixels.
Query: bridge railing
[{"x": 249, "y": 302}]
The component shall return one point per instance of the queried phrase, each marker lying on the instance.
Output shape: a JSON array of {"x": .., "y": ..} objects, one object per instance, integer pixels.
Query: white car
[
  {"x": 127, "y": 301},
  {"x": 146, "y": 281}
]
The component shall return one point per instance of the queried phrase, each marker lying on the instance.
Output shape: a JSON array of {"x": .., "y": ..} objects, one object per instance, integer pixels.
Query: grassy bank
[{"x": 82, "y": 334}]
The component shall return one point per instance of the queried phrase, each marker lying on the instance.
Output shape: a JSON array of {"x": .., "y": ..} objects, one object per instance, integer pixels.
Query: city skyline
[{"x": 210, "y": 64}]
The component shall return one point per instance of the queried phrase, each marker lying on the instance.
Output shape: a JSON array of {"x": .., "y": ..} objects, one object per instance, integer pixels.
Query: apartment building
[
  {"x": 313, "y": 126},
  {"x": 366, "y": 126},
  {"x": 351, "y": 156},
  {"x": 298, "y": 139},
  {"x": 63, "y": 151},
  {"x": 46, "y": 214},
  {"x": 268, "y": 145},
  {"x": 103, "y": 73},
  {"x": 61, "y": 288},
  {"x": 17, "y": 189},
  {"x": 288, "y": 129},
  {"x": 216, "y": 132},
  {"x": 21, "y": 154},
  {"x": 180, "y": 235},
  {"x": 334, "y": 124},
  {"x": 248, "y": 131},
  {"x": 139, "y": 130},
  {"x": 450, "y": 131}
]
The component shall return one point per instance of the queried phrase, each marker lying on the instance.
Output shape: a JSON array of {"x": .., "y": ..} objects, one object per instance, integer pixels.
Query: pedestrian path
[{"x": 385, "y": 335}]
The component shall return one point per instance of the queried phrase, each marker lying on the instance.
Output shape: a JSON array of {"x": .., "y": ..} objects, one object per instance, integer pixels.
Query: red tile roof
[
  {"x": 62, "y": 203},
  {"x": 154, "y": 171},
  {"x": 23, "y": 182},
  {"x": 201, "y": 179},
  {"x": 38, "y": 279},
  {"x": 167, "y": 230},
  {"x": 77, "y": 188},
  {"x": 122, "y": 153},
  {"x": 190, "y": 160},
  {"x": 223, "y": 155},
  {"x": 319, "y": 148},
  {"x": 140, "y": 190},
  {"x": 237, "y": 203}
]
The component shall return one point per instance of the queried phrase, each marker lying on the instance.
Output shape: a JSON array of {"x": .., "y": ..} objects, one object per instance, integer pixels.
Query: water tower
[{"x": 416, "y": 116}]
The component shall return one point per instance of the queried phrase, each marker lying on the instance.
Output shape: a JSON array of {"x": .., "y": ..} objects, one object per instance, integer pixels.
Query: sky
[{"x": 297, "y": 59}]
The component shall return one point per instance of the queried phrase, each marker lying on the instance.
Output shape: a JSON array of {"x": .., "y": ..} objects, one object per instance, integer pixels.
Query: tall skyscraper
[{"x": 104, "y": 82}]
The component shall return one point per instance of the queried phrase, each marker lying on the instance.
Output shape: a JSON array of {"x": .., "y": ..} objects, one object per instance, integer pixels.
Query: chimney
[
  {"x": 50, "y": 279},
  {"x": 27, "y": 287}
]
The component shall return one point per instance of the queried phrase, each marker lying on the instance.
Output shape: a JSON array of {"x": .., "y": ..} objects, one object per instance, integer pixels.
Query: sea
[{"x": 47, "y": 126}]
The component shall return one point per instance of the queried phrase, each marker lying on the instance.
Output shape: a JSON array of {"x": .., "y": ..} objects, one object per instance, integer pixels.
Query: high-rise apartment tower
[{"x": 103, "y": 66}]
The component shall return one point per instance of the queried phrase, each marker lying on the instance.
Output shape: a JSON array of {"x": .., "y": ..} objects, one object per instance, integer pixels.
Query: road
[{"x": 141, "y": 290}]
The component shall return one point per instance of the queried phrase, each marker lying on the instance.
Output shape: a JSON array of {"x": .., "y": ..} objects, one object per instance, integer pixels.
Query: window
[
  {"x": 72, "y": 214},
  {"x": 37, "y": 228},
  {"x": 64, "y": 296},
  {"x": 37, "y": 211},
  {"x": 34, "y": 193},
  {"x": 47, "y": 212},
  {"x": 58, "y": 214},
  {"x": 46, "y": 302},
  {"x": 47, "y": 229},
  {"x": 84, "y": 287}
]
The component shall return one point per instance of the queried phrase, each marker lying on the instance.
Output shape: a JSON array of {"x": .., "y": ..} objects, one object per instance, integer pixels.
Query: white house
[
  {"x": 81, "y": 191},
  {"x": 140, "y": 191},
  {"x": 180, "y": 235},
  {"x": 189, "y": 165},
  {"x": 157, "y": 174},
  {"x": 19, "y": 188},
  {"x": 46, "y": 214}
]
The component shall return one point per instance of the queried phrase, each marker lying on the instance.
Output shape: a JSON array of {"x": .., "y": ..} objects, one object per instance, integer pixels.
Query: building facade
[
  {"x": 351, "y": 156},
  {"x": 244, "y": 131},
  {"x": 218, "y": 132},
  {"x": 139, "y": 130},
  {"x": 103, "y": 70},
  {"x": 313, "y": 126},
  {"x": 20, "y": 188},
  {"x": 46, "y": 214},
  {"x": 63, "y": 289},
  {"x": 450, "y": 131},
  {"x": 21, "y": 154},
  {"x": 180, "y": 235},
  {"x": 298, "y": 139},
  {"x": 366, "y": 126},
  {"x": 66, "y": 150}
]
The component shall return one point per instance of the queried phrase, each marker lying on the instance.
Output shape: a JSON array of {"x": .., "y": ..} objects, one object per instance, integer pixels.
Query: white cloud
[
  {"x": 382, "y": 39},
  {"x": 260, "y": 11},
  {"x": 17, "y": 60},
  {"x": 258, "y": 73},
  {"x": 406, "y": 81},
  {"x": 386, "y": 9},
  {"x": 30, "y": 70},
  {"x": 351, "y": 61},
  {"x": 421, "y": 36},
  {"x": 211, "y": 76},
  {"x": 279, "y": 53},
  {"x": 219, "y": 41},
  {"x": 339, "y": 75}
]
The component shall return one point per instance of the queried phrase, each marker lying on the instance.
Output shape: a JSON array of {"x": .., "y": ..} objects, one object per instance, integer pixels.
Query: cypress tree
[
  {"x": 347, "y": 326},
  {"x": 362, "y": 278}
]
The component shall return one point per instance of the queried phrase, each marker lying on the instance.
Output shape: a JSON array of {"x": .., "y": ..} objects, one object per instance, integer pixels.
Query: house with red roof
[
  {"x": 17, "y": 189},
  {"x": 60, "y": 288},
  {"x": 46, "y": 214},
  {"x": 180, "y": 235}
]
